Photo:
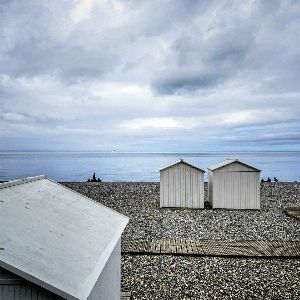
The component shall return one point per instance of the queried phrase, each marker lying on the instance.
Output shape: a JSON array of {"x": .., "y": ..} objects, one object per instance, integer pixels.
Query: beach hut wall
[
  {"x": 234, "y": 185},
  {"x": 182, "y": 185},
  {"x": 57, "y": 244}
]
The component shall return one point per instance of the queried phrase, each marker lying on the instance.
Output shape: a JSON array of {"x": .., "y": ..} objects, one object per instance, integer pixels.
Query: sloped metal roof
[
  {"x": 179, "y": 162},
  {"x": 227, "y": 162},
  {"x": 55, "y": 237}
]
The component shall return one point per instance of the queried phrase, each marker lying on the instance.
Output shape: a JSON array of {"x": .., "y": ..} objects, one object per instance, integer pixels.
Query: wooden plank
[
  {"x": 167, "y": 246},
  {"x": 157, "y": 247},
  {"x": 183, "y": 248},
  {"x": 152, "y": 247},
  {"x": 163, "y": 246},
  {"x": 141, "y": 247},
  {"x": 214, "y": 247},
  {"x": 8, "y": 292},
  {"x": 11, "y": 281},
  {"x": 125, "y": 295}
]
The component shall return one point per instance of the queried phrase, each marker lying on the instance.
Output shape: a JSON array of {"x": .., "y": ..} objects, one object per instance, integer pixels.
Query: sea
[{"x": 136, "y": 167}]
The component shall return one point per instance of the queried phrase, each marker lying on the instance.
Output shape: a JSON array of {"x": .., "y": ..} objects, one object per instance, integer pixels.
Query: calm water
[{"x": 79, "y": 166}]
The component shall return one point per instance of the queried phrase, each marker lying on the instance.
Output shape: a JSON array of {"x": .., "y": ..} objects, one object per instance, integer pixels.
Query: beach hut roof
[
  {"x": 55, "y": 237},
  {"x": 179, "y": 162},
  {"x": 227, "y": 162}
]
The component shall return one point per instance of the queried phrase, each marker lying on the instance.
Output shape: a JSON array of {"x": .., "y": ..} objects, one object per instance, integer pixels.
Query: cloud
[
  {"x": 277, "y": 138},
  {"x": 138, "y": 73},
  {"x": 82, "y": 10},
  {"x": 9, "y": 116},
  {"x": 179, "y": 82},
  {"x": 150, "y": 124}
]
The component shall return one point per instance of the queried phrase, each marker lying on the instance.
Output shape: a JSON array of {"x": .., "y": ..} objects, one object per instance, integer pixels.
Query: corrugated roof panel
[{"x": 54, "y": 236}]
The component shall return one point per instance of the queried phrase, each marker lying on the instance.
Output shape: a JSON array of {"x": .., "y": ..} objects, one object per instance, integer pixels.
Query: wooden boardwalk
[
  {"x": 293, "y": 212},
  {"x": 125, "y": 295},
  {"x": 213, "y": 248}
]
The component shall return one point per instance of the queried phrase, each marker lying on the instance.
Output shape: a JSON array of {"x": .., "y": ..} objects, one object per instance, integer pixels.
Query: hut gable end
[
  {"x": 181, "y": 162},
  {"x": 232, "y": 165},
  {"x": 236, "y": 167}
]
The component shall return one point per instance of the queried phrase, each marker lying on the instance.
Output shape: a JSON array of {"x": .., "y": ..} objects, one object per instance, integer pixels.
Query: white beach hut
[
  {"x": 182, "y": 185},
  {"x": 234, "y": 185},
  {"x": 57, "y": 244}
]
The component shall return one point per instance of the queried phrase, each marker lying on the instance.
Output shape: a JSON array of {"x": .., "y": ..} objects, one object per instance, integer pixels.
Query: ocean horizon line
[
  {"x": 136, "y": 166},
  {"x": 149, "y": 152}
]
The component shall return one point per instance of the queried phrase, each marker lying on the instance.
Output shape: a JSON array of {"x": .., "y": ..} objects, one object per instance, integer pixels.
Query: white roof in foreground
[
  {"x": 227, "y": 162},
  {"x": 54, "y": 236}
]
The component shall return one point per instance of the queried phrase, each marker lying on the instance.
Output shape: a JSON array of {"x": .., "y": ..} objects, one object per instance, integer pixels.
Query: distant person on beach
[
  {"x": 94, "y": 179},
  {"x": 262, "y": 180},
  {"x": 275, "y": 179},
  {"x": 269, "y": 179}
]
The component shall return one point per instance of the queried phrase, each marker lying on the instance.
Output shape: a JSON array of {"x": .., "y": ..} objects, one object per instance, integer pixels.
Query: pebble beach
[{"x": 187, "y": 277}]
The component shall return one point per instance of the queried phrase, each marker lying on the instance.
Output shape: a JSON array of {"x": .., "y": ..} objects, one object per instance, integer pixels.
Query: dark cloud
[
  {"x": 39, "y": 40},
  {"x": 33, "y": 56},
  {"x": 181, "y": 83},
  {"x": 277, "y": 138}
]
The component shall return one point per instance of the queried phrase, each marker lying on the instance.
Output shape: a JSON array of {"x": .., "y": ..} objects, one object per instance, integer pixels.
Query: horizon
[
  {"x": 134, "y": 167},
  {"x": 152, "y": 152}
]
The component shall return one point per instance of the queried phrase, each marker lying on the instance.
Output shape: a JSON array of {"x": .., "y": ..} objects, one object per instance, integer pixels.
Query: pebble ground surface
[{"x": 186, "y": 277}]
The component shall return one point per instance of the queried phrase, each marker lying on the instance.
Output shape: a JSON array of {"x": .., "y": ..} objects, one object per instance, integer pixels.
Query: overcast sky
[{"x": 137, "y": 75}]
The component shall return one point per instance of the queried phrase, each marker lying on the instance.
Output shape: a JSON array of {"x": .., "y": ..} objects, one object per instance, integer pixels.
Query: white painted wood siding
[
  {"x": 236, "y": 189},
  {"x": 13, "y": 287},
  {"x": 108, "y": 285},
  {"x": 181, "y": 186},
  {"x": 210, "y": 186}
]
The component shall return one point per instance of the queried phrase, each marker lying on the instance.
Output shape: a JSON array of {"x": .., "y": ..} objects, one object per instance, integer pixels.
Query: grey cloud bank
[{"x": 149, "y": 75}]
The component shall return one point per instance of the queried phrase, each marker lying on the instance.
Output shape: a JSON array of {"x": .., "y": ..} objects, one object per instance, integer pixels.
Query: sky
[{"x": 134, "y": 75}]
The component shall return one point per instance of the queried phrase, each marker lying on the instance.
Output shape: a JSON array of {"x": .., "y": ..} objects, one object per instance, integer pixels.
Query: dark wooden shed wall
[{"x": 13, "y": 287}]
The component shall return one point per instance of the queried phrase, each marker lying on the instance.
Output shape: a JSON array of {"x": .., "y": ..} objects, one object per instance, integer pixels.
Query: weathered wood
[
  {"x": 293, "y": 212},
  {"x": 214, "y": 247},
  {"x": 11, "y": 281},
  {"x": 125, "y": 295}
]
